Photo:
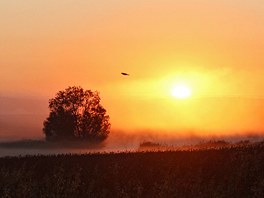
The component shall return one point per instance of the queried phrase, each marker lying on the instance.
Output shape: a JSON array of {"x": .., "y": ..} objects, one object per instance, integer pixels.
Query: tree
[{"x": 76, "y": 114}]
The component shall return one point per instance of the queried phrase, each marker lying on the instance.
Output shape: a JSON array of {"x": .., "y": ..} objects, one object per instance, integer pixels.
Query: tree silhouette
[{"x": 76, "y": 114}]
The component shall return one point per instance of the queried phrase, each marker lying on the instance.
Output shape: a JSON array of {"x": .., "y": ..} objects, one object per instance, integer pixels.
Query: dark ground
[{"x": 235, "y": 171}]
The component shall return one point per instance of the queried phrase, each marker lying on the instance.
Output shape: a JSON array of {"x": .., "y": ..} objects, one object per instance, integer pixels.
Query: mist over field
[{"x": 21, "y": 119}]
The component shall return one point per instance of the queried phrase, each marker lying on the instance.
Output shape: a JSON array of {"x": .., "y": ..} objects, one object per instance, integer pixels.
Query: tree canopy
[{"x": 76, "y": 114}]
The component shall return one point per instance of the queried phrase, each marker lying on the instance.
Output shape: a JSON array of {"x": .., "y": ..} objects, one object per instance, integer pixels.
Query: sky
[{"x": 214, "y": 47}]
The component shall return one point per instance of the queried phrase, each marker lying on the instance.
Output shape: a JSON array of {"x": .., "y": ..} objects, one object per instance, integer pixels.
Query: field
[{"x": 231, "y": 171}]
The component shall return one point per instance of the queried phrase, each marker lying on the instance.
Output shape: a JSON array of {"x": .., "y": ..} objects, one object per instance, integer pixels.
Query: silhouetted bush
[
  {"x": 76, "y": 114},
  {"x": 152, "y": 146}
]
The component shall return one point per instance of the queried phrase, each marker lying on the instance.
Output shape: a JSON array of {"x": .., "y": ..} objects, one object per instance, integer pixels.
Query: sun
[{"x": 181, "y": 91}]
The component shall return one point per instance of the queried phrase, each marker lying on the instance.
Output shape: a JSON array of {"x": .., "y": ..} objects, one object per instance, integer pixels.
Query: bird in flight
[{"x": 125, "y": 74}]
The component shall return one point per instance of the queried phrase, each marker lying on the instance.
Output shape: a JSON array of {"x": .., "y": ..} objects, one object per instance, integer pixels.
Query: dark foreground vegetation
[{"x": 236, "y": 171}]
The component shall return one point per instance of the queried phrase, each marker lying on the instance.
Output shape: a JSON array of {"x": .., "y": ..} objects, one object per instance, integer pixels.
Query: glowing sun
[{"x": 181, "y": 91}]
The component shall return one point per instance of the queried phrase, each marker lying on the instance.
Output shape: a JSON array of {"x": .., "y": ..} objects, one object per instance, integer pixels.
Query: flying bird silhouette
[{"x": 125, "y": 74}]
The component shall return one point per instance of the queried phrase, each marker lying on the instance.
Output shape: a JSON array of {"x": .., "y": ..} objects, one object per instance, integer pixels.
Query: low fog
[{"x": 22, "y": 119}]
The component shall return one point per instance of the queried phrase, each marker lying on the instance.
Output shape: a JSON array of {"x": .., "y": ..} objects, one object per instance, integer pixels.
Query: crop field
[{"x": 235, "y": 171}]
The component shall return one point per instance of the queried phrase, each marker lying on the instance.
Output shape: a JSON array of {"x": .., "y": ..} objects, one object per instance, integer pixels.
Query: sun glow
[{"x": 181, "y": 91}]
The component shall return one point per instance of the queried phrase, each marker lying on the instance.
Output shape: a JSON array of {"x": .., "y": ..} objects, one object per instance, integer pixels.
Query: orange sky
[{"x": 216, "y": 47}]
